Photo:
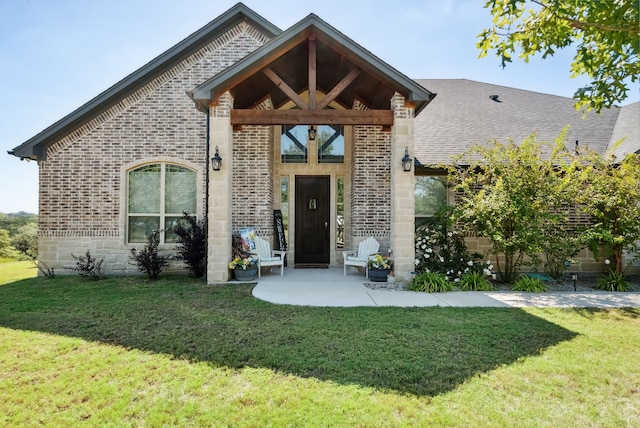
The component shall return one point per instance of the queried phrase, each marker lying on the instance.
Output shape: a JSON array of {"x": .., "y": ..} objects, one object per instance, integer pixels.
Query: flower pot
[
  {"x": 246, "y": 275},
  {"x": 379, "y": 275}
]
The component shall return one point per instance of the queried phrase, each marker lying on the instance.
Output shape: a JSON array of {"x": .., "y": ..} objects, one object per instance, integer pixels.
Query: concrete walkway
[{"x": 329, "y": 287}]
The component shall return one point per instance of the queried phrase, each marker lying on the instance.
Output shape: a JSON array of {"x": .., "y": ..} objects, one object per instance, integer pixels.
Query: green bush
[
  {"x": 87, "y": 266},
  {"x": 613, "y": 281},
  {"x": 475, "y": 281},
  {"x": 529, "y": 284},
  {"x": 148, "y": 260},
  {"x": 441, "y": 248},
  {"x": 25, "y": 241},
  {"x": 193, "y": 244},
  {"x": 430, "y": 282}
]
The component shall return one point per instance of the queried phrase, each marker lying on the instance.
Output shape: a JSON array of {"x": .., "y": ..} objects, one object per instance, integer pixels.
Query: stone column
[
  {"x": 219, "y": 222},
  {"x": 402, "y": 190}
]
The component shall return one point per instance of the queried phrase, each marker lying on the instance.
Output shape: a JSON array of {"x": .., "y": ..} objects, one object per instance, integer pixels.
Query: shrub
[
  {"x": 45, "y": 270},
  {"x": 430, "y": 282},
  {"x": 529, "y": 284},
  {"x": 5, "y": 245},
  {"x": 612, "y": 281},
  {"x": 442, "y": 249},
  {"x": 26, "y": 241},
  {"x": 475, "y": 281},
  {"x": 560, "y": 244},
  {"x": 193, "y": 244},
  {"x": 87, "y": 266},
  {"x": 148, "y": 260}
]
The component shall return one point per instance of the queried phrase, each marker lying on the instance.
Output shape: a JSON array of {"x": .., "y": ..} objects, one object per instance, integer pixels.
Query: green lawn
[
  {"x": 14, "y": 271},
  {"x": 126, "y": 351}
]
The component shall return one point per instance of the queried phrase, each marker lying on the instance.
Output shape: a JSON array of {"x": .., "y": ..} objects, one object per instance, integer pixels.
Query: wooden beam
[
  {"x": 293, "y": 96},
  {"x": 312, "y": 117},
  {"x": 337, "y": 90},
  {"x": 312, "y": 72}
]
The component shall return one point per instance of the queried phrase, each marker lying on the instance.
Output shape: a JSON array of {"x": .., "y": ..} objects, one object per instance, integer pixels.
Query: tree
[
  {"x": 5, "y": 244},
  {"x": 514, "y": 196},
  {"x": 611, "y": 196},
  {"x": 26, "y": 240},
  {"x": 605, "y": 33},
  {"x": 12, "y": 222}
]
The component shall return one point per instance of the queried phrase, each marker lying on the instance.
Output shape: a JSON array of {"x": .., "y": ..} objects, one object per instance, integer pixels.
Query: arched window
[{"x": 156, "y": 198}]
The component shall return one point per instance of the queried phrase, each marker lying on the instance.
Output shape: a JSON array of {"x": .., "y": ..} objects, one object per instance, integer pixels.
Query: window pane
[
  {"x": 180, "y": 190},
  {"x": 293, "y": 144},
  {"x": 144, "y": 189},
  {"x": 430, "y": 195},
  {"x": 140, "y": 227},
  {"x": 169, "y": 224},
  {"x": 330, "y": 144}
]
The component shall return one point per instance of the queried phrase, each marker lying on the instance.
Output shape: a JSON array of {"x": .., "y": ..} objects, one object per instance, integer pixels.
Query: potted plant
[
  {"x": 379, "y": 268},
  {"x": 244, "y": 268}
]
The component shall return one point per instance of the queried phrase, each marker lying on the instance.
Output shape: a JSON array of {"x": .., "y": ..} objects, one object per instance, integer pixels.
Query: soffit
[{"x": 288, "y": 57}]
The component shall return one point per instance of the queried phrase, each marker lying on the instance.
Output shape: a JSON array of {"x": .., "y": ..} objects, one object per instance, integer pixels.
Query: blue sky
[{"x": 57, "y": 55}]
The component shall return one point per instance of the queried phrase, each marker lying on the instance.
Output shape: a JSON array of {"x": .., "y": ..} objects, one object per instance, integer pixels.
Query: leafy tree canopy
[
  {"x": 605, "y": 33},
  {"x": 13, "y": 222},
  {"x": 611, "y": 197},
  {"x": 513, "y": 194}
]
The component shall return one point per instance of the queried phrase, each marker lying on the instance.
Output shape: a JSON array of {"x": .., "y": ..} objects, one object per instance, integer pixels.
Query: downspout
[{"x": 206, "y": 198}]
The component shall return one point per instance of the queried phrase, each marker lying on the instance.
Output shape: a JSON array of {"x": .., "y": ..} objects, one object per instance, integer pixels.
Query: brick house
[{"x": 305, "y": 121}]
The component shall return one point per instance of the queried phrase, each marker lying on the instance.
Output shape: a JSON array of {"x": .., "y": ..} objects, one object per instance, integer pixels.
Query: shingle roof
[
  {"x": 464, "y": 114},
  {"x": 628, "y": 127}
]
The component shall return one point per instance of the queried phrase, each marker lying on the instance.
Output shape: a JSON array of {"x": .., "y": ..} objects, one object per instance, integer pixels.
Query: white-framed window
[
  {"x": 157, "y": 195},
  {"x": 430, "y": 197}
]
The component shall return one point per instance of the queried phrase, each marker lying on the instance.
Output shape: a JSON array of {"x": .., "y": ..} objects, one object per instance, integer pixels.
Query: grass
[
  {"x": 14, "y": 271},
  {"x": 176, "y": 352}
]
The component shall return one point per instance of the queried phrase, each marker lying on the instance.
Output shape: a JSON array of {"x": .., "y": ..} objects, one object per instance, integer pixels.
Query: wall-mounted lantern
[
  {"x": 312, "y": 132},
  {"x": 216, "y": 160},
  {"x": 406, "y": 160}
]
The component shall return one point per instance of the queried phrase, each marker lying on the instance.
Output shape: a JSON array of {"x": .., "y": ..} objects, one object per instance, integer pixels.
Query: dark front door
[{"x": 312, "y": 221}]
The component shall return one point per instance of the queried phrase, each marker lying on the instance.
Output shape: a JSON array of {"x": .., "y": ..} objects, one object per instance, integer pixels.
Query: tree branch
[{"x": 582, "y": 25}]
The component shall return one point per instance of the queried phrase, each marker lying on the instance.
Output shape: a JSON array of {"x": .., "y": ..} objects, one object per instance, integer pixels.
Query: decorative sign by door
[{"x": 279, "y": 229}]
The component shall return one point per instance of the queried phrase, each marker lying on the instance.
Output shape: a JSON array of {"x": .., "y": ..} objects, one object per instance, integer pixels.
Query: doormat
[{"x": 312, "y": 266}]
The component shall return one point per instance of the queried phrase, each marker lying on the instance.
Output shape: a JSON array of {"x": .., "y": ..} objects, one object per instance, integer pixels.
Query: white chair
[
  {"x": 361, "y": 259},
  {"x": 268, "y": 257}
]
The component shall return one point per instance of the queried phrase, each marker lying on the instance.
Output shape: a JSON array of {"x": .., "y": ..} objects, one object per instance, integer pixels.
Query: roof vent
[{"x": 495, "y": 98}]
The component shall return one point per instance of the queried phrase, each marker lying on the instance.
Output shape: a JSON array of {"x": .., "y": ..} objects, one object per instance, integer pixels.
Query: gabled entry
[
  {"x": 311, "y": 56},
  {"x": 312, "y": 237},
  {"x": 309, "y": 75}
]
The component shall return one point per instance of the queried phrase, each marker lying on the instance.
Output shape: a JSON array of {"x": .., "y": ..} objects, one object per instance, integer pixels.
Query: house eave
[
  {"x": 414, "y": 93},
  {"x": 35, "y": 147}
]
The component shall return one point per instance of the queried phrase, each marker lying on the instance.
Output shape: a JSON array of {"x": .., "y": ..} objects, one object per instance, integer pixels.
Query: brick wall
[
  {"x": 253, "y": 188},
  {"x": 371, "y": 184},
  {"x": 82, "y": 182}
]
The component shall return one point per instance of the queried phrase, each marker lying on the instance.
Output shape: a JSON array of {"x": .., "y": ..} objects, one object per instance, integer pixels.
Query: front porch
[{"x": 311, "y": 76}]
